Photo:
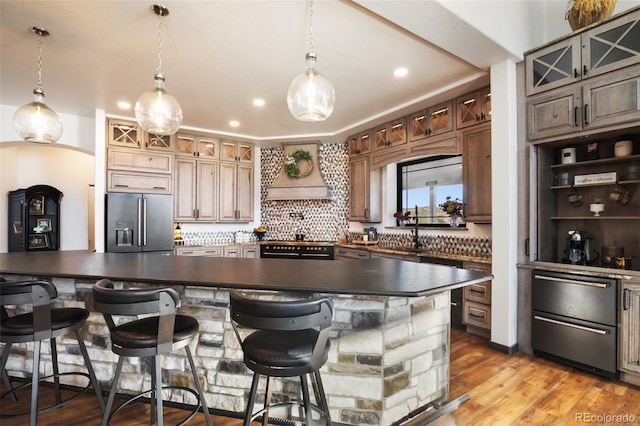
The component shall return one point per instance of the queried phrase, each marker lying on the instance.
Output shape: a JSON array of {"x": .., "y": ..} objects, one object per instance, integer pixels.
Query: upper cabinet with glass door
[
  {"x": 603, "y": 48},
  {"x": 474, "y": 108},
  {"x": 433, "y": 121},
  {"x": 241, "y": 152},
  {"x": 390, "y": 135},
  {"x": 128, "y": 134},
  {"x": 359, "y": 144},
  {"x": 194, "y": 145}
]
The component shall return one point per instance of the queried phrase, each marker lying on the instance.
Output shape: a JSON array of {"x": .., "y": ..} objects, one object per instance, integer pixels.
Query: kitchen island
[{"x": 389, "y": 357}]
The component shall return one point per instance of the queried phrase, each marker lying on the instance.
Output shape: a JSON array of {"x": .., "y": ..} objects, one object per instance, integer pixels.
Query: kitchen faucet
[{"x": 416, "y": 243}]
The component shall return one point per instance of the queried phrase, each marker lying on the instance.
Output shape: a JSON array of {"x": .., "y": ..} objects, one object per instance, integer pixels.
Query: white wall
[{"x": 24, "y": 164}]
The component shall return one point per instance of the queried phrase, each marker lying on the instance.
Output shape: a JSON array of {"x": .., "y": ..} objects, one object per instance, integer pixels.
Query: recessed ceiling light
[
  {"x": 124, "y": 105},
  {"x": 400, "y": 72},
  {"x": 234, "y": 123},
  {"x": 258, "y": 102}
]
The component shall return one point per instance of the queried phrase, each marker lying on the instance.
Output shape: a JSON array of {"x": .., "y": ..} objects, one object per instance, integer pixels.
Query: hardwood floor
[{"x": 502, "y": 390}]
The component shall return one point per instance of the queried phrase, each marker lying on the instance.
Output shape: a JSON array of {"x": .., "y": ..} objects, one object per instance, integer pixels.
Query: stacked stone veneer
[{"x": 389, "y": 355}]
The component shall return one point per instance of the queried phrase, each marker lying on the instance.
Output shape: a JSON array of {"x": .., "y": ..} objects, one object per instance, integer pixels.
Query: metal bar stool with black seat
[
  {"x": 284, "y": 339},
  {"x": 44, "y": 322},
  {"x": 148, "y": 336}
]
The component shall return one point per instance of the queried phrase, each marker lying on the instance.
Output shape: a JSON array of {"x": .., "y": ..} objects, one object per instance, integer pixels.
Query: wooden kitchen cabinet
[
  {"x": 365, "y": 191},
  {"x": 196, "y": 189},
  {"x": 360, "y": 144},
  {"x": 127, "y": 134},
  {"x": 251, "y": 251},
  {"x": 235, "y": 199},
  {"x": 605, "y": 101},
  {"x": 241, "y": 152},
  {"x": 630, "y": 332},
  {"x": 473, "y": 108},
  {"x": 196, "y": 145},
  {"x": 476, "y": 302},
  {"x": 431, "y": 122},
  {"x": 390, "y": 134},
  {"x": 606, "y": 47},
  {"x": 348, "y": 253},
  {"x": 476, "y": 174}
]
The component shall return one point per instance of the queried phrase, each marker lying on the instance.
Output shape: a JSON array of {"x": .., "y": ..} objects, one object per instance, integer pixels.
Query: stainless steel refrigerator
[{"x": 138, "y": 222}]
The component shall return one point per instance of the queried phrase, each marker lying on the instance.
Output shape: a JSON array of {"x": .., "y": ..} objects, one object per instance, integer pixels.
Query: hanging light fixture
[
  {"x": 157, "y": 111},
  {"x": 311, "y": 96},
  {"x": 35, "y": 121}
]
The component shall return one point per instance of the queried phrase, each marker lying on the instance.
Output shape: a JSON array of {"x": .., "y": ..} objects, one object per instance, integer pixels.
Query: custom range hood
[{"x": 300, "y": 177}]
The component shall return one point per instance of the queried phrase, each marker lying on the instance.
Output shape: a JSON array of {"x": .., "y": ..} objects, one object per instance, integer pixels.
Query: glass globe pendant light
[
  {"x": 311, "y": 96},
  {"x": 157, "y": 111},
  {"x": 35, "y": 121}
]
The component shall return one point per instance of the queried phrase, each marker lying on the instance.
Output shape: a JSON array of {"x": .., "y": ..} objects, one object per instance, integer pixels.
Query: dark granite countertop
[{"x": 376, "y": 277}]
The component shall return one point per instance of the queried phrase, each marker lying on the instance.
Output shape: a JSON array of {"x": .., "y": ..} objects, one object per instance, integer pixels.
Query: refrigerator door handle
[
  {"x": 144, "y": 222},
  {"x": 140, "y": 222}
]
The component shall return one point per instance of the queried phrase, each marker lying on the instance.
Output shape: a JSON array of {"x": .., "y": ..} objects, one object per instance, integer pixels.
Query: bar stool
[
  {"x": 44, "y": 323},
  {"x": 149, "y": 336},
  {"x": 283, "y": 339}
]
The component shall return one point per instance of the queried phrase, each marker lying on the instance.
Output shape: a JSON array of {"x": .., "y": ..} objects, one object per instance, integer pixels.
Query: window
[{"x": 426, "y": 183}]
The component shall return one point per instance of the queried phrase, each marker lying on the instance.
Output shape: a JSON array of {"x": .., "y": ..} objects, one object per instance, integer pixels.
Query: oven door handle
[
  {"x": 570, "y": 281},
  {"x": 566, "y": 324}
]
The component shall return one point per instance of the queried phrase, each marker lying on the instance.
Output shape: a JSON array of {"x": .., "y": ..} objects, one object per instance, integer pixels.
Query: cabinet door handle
[
  {"x": 586, "y": 114},
  {"x": 575, "y": 116},
  {"x": 482, "y": 116},
  {"x": 584, "y": 70},
  {"x": 625, "y": 299},
  {"x": 366, "y": 212},
  {"x": 575, "y": 73}
]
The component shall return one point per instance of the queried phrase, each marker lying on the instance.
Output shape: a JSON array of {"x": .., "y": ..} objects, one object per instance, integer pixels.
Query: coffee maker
[{"x": 577, "y": 254}]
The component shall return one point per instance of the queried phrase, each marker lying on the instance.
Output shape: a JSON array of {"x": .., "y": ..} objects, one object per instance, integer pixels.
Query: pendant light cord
[
  {"x": 159, "y": 70},
  {"x": 311, "y": 26},
  {"x": 39, "y": 84}
]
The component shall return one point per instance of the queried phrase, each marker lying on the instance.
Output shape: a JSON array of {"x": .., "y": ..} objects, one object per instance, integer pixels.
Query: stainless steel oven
[
  {"x": 575, "y": 320},
  {"x": 321, "y": 250}
]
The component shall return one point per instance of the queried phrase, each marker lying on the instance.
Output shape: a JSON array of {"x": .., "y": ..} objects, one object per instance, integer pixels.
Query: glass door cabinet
[{"x": 34, "y": 219}]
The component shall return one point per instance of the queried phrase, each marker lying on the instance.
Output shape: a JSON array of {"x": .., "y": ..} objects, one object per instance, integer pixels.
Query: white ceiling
[{"x": 219, "y": 55}]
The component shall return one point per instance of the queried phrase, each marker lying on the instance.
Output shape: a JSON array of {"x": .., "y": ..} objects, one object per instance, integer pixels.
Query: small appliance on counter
[
  {"x": 579, "y": 251},
  {"x": 372, "y": 233}
]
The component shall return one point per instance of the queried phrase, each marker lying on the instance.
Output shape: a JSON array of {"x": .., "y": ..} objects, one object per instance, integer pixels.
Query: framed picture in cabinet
[
  {"x": 36, "y": 205},
  {"x": 17, "y": 227},
  {"x": 45, "y": 224},
  {"x": 38, "y": 241}
]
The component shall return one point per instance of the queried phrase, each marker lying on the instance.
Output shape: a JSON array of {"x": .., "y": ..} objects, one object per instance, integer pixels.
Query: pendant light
[
  {"x": 311, "y": 96},
  {"x": 35, "y": 121},
  {"x": 158, "y": 112}
]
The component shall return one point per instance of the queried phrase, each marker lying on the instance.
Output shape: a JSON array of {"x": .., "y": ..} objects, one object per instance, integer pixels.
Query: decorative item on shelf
[
  {"x": 623, "y": 148},
  {"x": 311, "y": 96},
  {"x": 157, "y": 111},
  {"x": 260, "y": 232},
  {"x": 177, "y": 232},
  {"x": 454, "y": 208},
  {"x": 592, "y": 151},
  {"x": 568, "y": 156},
  {"x": 35, "y": 121},
  {"x": 574, "y": 198},
  {"x": 581, "y": 13},
  {"x": 402, "y": 218},
  {"x": 597, "y": 207},
  {"x": 291, "y": 164},
  {"x": 620, "y": 195}
]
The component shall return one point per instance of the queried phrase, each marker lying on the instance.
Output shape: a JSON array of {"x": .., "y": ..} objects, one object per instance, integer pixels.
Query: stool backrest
[
  {"x": 290, "y": 315},
  {"x": 37, "y": 293},
  {"x": 139, "y": 301}
]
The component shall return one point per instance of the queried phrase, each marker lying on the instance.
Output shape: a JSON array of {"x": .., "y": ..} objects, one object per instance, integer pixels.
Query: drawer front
[
  {"x": 210, "y": 252},
  {"x": 140, "y": 161},
  {"x": 138, "y": 182},
  {"x": 480, "y": 293},
  {"x": 576, "y": 296},
  {"x": 346, "y": 254},
  {"x": 580, "y": 341},
  {"x": 477, "y": 314}
]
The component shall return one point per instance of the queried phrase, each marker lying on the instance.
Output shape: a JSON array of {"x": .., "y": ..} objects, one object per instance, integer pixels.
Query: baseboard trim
[{"x": 509, "y": 350}]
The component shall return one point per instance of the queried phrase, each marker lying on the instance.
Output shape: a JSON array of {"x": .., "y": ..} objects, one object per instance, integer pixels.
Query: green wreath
[{"x": 291, "y": 164}]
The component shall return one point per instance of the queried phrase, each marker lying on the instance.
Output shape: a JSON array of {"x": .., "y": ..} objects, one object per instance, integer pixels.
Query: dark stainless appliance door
[
  {"x": 576, "y": 296},
  {"x": 593, "y": 345},
  {"x": 138, "y": 222}
]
